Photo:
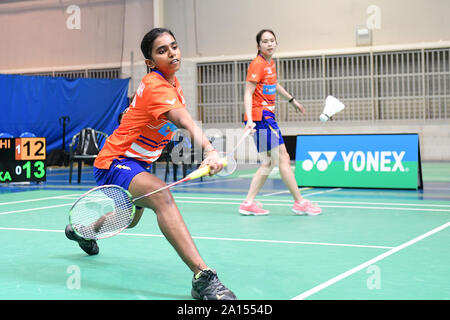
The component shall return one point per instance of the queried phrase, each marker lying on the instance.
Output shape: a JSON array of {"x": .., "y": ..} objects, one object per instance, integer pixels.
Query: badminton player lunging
[
  {"x": 157, "y": 110},
  {"x": 259, "y": 101}
]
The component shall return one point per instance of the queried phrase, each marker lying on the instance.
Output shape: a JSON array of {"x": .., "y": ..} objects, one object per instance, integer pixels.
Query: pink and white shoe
[
  {"x": 305, "y": 207},
  {"x": 252, "y": 209}
]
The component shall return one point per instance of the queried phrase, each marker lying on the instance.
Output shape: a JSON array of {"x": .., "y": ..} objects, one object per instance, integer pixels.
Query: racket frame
[{"x": 110, "y": 234}]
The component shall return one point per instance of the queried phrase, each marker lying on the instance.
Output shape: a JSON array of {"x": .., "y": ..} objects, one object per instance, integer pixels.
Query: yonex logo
[
  {"x": 384, "y": 161},
  {"x": 321, "y": 164}
]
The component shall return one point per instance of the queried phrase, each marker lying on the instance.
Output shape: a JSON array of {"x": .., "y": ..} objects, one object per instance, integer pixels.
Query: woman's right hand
[
  {"x": 214, "y": 162},
  {"x": 250, "y": 126}
]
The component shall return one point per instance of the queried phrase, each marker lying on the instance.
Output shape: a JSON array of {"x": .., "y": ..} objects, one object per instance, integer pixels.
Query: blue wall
[{"x": 36, "y": 103}]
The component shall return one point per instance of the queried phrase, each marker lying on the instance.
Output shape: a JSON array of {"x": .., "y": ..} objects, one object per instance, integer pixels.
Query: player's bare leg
[
  {"x": 281, "y": 157},
  {"x": 260, "y": 176},
  {"x": 205, "y": 282},
  {"x": 169, "y": 218}
]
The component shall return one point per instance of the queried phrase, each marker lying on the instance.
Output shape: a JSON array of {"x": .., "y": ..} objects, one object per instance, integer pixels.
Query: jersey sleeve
[{"x": 255, "y": 72}]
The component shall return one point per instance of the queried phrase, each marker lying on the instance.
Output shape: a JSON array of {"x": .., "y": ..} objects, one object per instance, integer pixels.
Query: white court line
[
  {"x": 223, "y": 239},
  {"x": 65, "y": 197},
  {"x": 31, "y": 229},
  {"x": 35, "y": 209},
  {"x": 344, "y": 275},
  {"x": 275, "y": 193},
  {"x": 237, "y": 203},
  {"x": 76, "y": 195},
  {"x": 322, "y": 206},
  {"x": 321, "y": 201},
  {"x": 388, "y": 208},
  {"x": 389, "y": 203},
  {"x": 321, "y": 192},
  {"x": 280, "y": 192}
]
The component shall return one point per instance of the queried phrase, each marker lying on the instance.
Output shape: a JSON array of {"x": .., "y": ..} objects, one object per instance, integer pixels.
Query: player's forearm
[
  {"x": 183, "y": 120},
  {"x": 283, "y": 92},
  {"x": 248, "y": 99},
  {"x": 248, "y": 106}
]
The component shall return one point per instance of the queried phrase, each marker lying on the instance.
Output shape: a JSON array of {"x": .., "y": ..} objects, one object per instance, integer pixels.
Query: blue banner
[
  {"x": 365, "y": 143},
  {"x": 36, "y": 103},
  {"x": 366, "y": 160}
]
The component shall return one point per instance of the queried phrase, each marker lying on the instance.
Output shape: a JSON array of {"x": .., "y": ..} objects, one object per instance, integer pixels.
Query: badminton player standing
[
  {"x": 259, "y": 101},
  {"x": 157, "y": 110}
]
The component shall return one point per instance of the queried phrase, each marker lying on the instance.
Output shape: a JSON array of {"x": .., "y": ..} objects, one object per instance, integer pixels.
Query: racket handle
[{"x": 204, "y": 170}]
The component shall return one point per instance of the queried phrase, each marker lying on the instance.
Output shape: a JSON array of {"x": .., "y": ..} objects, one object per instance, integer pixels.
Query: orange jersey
[
  {"x": 144, "y": 130},
  {"x": 265, "y": 76}
]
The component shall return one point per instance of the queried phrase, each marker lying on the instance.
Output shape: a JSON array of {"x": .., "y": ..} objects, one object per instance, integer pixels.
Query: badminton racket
[
  {"x": 230, "y": 159},
  {"x": 105, "y": 211}
]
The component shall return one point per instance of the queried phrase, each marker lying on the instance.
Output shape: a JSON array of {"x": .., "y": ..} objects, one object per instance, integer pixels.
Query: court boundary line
[
  {"x": 322, "y": 201},
  {"x": 77, "y": 195},
  {"x": 238, "y": 203},
  {"x": 322, "y": 206},
  {"x": 219, "y": 238},
  {"x": 41, "y": 199},
  {"x": 380, "y": 257},
  {"x": 283, "y": 191}
]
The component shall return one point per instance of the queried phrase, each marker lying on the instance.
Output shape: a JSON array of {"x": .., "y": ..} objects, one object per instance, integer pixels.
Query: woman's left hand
[{"x": 299, "y": 106}]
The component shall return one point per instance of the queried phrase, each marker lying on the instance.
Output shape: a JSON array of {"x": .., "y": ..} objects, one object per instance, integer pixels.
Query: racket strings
[{"x": 102, "y": 213}]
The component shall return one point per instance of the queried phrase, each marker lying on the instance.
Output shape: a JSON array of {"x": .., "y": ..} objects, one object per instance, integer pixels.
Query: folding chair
[{"x": 85, "y": 147}]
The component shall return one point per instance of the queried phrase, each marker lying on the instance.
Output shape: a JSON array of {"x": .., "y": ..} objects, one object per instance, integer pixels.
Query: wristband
[{"x": 292, "y": 99}]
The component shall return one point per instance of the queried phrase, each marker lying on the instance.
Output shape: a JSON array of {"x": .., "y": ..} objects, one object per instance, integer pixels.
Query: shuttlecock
[{"x": 332, "y": 106}]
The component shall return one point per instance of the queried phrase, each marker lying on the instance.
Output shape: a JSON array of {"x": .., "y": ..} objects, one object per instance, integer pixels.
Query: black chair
[{"x": 85, "y": 147}]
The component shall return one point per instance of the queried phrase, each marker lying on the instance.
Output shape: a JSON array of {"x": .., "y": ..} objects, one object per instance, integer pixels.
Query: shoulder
[
  {"x": 256, "y": 67},
  {"x": 257, "y": 61},
  {"x": 153, "y": 79},
  {"x": 152, "y": 84}
]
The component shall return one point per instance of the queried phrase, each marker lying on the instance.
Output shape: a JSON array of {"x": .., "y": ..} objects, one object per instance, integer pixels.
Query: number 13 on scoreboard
[{"x": 30, "y": 149}]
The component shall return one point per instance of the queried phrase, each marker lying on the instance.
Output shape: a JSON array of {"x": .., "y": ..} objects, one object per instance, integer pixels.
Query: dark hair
[
  {"x": 149, "y": 38},
  {"x": 260, "y": 33}
]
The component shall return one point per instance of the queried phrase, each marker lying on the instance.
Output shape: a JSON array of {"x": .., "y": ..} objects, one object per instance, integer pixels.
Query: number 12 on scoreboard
[{"x": 30, "y": 149}]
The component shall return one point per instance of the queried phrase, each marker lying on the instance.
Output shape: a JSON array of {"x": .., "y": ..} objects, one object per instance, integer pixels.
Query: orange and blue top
[
  {"x": 144, "y": 130},
  {"x": 264, "y": 74}
]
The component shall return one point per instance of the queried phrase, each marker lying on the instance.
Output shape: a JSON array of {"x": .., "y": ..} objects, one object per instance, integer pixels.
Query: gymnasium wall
[
  {"x": 215, "y": 27},
  {"x": 46, "y": 35}
]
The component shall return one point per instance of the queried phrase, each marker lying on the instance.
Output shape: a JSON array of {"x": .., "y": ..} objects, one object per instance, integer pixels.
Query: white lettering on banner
[
  {"x": 384, "y": 161},
  {"x": 376, "y": 161},
  {"x": 372, "y": 161},
  {"x": 360, "y": 158},
  {"x": 346, "y": 159},
  {"x": 398, "y": 161}
]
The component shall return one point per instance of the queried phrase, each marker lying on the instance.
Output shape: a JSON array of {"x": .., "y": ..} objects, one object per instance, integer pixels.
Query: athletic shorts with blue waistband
[
  {"x": 268, "y": 134},
  {"x": 120, "y": 172}
]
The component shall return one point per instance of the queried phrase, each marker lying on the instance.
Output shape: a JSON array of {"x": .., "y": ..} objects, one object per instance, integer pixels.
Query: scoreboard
[{"x": 22, "y": 159}]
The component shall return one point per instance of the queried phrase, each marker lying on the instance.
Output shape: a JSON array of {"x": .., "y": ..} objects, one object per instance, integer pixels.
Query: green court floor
[{"x": 367, "y": 244}]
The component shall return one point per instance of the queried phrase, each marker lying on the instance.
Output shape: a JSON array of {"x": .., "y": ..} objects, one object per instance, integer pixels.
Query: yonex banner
[{"x": 360, "y": 161}]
